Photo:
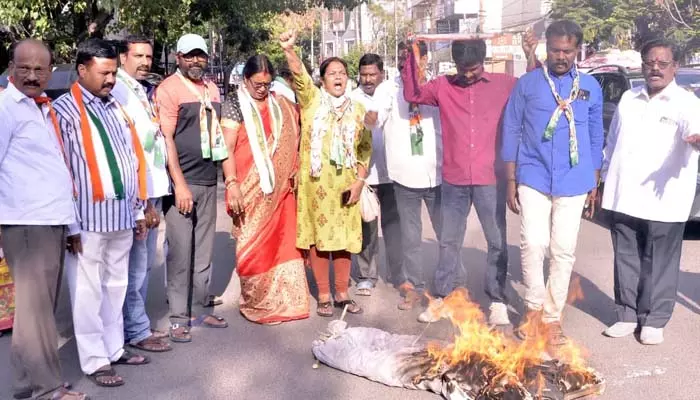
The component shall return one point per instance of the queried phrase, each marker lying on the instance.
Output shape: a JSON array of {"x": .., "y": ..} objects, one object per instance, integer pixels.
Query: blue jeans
[
  {"x": 137, "y": 325},
  {"x": 490, "y": 204},
  {"x": 408, "y": 201}
]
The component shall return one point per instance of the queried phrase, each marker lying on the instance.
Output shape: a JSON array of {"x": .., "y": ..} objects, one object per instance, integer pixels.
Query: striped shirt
[{"x": 108, "y": 215}]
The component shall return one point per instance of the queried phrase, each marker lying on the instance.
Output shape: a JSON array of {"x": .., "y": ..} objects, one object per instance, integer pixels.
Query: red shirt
[{"x": 470, "y": 118}]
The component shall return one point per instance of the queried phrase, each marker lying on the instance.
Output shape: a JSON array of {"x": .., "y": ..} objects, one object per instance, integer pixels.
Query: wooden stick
[
  {"x": 437, "y": 37},
  {"x": 345, "y": 310}
]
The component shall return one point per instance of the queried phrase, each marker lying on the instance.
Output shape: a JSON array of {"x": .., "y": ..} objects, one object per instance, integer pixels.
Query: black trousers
[{"x": 647, "y": 267}]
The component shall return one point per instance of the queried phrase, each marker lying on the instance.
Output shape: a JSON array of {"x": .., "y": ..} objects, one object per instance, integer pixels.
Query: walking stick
[{"x": 190, "y": 281}]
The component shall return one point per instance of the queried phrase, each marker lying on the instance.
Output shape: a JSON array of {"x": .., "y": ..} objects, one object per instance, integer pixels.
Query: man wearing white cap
[{"x": 189, "y": 109}]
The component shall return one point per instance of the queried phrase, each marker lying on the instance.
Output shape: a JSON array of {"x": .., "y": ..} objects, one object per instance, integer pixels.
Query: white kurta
[{"x": 650, "y": 172}]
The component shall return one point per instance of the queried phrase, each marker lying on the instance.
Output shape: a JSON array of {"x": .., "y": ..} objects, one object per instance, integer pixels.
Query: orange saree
[{"x": 270, "y": 267}]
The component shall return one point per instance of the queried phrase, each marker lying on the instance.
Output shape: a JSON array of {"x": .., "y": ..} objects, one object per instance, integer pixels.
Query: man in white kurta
[{"x": 650, "y": 170}]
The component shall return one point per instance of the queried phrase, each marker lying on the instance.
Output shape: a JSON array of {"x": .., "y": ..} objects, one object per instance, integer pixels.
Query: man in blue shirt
[{"x": 553, "y": 150}]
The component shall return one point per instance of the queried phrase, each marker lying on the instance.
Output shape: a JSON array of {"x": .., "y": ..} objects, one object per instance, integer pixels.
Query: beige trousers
[{"x": 548, "y": 224}]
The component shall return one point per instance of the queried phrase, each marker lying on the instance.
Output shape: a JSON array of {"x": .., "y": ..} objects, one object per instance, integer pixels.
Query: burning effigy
[{"x": 479, "y": 364}]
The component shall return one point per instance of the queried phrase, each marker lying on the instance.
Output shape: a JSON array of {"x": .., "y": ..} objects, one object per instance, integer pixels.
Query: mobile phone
[{"x": 345, "y": 197}]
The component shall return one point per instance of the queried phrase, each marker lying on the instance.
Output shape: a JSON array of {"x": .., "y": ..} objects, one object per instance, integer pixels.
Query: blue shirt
[{"x": 545, "y": 165}]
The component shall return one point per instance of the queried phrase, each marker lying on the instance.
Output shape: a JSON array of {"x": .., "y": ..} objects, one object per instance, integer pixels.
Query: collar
[
  {"x": 486, "y": 76},
  {"x": 125, "y": 75},
  {"x": 90, "y": 98},
  {"x": 665, "y": 94},
  {"x": 16, "y": 95}
]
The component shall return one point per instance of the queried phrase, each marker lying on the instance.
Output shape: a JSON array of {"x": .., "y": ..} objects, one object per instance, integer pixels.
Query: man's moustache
[{"x": 31, "y": 83}]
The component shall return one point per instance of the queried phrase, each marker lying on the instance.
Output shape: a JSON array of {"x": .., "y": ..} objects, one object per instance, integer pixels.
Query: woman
[
  {"x": 261, "y": 201},
  {"x": 335, "y": 151}
]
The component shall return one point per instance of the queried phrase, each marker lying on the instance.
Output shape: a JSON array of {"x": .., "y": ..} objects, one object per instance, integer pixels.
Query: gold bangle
[
  {"x": 230, "y": 179},
  {"x": 231, "y": 184}
]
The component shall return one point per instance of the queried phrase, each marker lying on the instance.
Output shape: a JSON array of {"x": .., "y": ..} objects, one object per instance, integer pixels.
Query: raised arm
[
  {"x": 303, "y": 84},
  {"x": 413, "y": 91}
]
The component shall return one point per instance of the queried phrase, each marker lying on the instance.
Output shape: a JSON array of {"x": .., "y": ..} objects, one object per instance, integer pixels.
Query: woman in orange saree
[{"x": 262, "y": 202}]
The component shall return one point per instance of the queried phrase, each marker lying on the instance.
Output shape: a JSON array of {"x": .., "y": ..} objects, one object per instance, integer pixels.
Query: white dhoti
[{"x": 97, "y": 280}]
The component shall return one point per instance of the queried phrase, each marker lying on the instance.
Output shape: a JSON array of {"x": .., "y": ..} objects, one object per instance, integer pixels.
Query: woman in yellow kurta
[{"x": 334, "y": 152}]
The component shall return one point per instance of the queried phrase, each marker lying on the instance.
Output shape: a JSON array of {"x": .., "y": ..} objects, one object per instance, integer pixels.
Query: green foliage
[
  {"x": 629, "y": 23},
  {"x": 64, "y": 23}
]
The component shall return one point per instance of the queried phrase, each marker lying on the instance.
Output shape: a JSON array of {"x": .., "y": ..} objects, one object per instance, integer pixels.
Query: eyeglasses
[
  {"x": 24, "y": 71},
  {"x": 260, "y": 85},
  {"x": 661, "y": 64}
]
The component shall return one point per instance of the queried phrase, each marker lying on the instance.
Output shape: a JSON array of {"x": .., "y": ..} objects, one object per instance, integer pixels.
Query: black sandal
[
  {"x": 353, "y": 308},
  {"x": 95, "y": 378},
  {"x": 126, "y": 358},
  {"x": 324, "y": 309}
]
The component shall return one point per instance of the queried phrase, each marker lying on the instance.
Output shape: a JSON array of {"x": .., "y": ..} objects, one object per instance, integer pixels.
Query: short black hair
[
  {"x": 284, "y": 71},
  {"x": 329, "y": 61},
  {"x": 94, "y": 48},
  {"x": 15, "y": 45},
  {"x": 661, "y": 42},
  {"x": 469, "y": 52},
  {"x": 372, "y": 59},
  {"x": 565, "y": 28},
  {"x": 122, "y": 46},
  {"x": 256, "y": 64}
]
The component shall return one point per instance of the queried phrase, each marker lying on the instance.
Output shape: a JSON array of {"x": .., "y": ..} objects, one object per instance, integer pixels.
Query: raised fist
[{"x": 288, "y": 39}]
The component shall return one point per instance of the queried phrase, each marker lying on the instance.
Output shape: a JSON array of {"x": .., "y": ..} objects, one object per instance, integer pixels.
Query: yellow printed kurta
[{"x": 322, "y": 220}]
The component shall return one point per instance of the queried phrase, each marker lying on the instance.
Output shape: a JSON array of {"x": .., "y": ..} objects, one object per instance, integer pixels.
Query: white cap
[{"x": 190, "y": 42}]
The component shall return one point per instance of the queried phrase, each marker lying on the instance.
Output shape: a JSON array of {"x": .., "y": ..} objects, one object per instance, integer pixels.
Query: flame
[
  {"x": 575, "y": 291},
  {"x": 510, "y": 359}
]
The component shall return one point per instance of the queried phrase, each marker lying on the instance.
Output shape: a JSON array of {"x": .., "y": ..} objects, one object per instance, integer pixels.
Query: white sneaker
[
  {"x": 652, "y": 336},
  {"x": 498, "y": 314},
  {"x": 433, "y": 313},
  {"x": 620, "y": 329}
]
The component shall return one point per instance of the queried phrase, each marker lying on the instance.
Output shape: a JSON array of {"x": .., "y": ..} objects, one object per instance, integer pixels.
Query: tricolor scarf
[
  {"x": 41, "y": 100},
  {"x": 334, "y": 115},
  {"x": 152, "y": 140},
  {"x": 212, "y": 140},
  {"x": 564, "y": 106},
  {"x": 262, "y": 153},
  {"x": 105, "y": 176},
  {"x": 415, "y": 118}
]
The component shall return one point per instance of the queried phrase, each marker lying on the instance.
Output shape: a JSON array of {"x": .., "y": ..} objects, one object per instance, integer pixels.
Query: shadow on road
[{"x": 689, "y": 291}]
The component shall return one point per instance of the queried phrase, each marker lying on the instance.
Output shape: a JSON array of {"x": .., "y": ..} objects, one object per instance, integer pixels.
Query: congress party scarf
[
  {"x": 415, "y": 118},
  {"x": 212, "y": 140},
  {"x": 105, "y": 176},
  {"x": 564, "y": 106}
]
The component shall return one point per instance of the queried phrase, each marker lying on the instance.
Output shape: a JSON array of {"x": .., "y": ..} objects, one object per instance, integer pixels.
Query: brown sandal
[
  {"x": 65, "y": 394},
  {"x": 97, "y": 378},
  {"x": 153, "y": 345},
  {"x": 353, "y": 308},
  {"x": 129, "y": 358},
  {"x": 324, "y": 309}
]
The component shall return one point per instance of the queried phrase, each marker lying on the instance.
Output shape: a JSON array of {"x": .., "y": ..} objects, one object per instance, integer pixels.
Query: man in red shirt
[{"x": 470, "y": 103}]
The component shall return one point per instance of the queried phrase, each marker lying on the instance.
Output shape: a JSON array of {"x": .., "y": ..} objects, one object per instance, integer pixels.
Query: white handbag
[{"x": 369, "y": 204}]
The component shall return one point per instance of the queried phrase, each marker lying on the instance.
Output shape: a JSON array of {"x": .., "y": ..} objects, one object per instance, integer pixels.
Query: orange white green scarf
[
  {"x": 105, "y": 176},
  {"x": 415, "y": 118}
]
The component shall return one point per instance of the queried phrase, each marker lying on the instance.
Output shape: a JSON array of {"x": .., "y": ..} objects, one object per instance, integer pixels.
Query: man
[
  {"x": 284, "y": 83},
  {"x": 552, "y": 146},
  {"x": 470, "y": 103},
  {"x": 365, "y": 266},
  {"x": 131, "y": 92},
  {"x": 190, "y": 108},
  {"x": 412, "y": 136},
  {"x": 650, "y": 192},
  {"x": 34, "y": 219},
  {"x": 108, "y": 166}
]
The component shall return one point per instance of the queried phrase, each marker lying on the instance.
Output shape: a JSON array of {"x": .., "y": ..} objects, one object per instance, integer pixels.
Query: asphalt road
[{"x": 248, "y": 361}]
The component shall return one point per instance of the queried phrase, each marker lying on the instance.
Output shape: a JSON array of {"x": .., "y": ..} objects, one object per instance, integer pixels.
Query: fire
[
  {"x": 575, "y": 290},
  {"x": 509, "y": 363}
]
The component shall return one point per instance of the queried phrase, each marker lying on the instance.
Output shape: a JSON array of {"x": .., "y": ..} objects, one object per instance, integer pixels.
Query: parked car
[
  {"x": 62, "y": 78},
  {"x": 616, "y": 80}
]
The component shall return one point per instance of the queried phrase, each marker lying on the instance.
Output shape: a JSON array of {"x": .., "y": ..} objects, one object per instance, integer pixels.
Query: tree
[
  {"x": 629, "y": 23},
  {"x": 64, "y": 23}
]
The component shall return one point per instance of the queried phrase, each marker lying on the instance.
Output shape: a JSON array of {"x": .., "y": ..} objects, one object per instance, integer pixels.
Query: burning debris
[{"x": 481, "y": 364}]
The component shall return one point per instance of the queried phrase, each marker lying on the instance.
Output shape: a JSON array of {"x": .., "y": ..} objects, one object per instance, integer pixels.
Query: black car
[
  {"x": 62, "y": 78},
  {"x": 616, "y": 80}
]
